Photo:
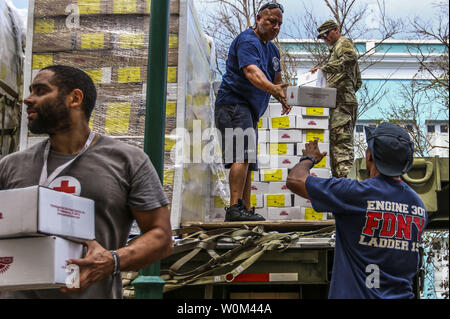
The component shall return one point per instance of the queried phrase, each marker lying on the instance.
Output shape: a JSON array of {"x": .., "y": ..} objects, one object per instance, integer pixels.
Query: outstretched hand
[{"x": 312, "y": 148}]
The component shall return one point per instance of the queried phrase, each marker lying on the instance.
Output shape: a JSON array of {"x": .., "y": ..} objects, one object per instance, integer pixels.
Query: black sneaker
[{"x": 238, "y": 213}]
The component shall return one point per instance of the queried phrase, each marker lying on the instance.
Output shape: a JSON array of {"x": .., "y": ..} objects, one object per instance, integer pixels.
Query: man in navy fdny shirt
[
  {"x": 253, "y": 73},
  {"x": 379, "y": 221}
]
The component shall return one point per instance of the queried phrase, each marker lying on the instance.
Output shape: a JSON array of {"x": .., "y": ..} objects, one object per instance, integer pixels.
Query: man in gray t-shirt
[{"x": 118, "y": 177}]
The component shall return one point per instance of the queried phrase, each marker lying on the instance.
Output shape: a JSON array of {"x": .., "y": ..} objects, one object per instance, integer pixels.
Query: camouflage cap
[{"x": 325, "y": 27}]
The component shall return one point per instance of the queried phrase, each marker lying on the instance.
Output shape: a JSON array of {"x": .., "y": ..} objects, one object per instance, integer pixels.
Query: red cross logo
[{"x": 65, "y": 188}]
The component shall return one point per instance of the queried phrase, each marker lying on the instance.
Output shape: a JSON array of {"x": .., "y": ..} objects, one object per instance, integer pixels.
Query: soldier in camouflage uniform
[{"x": 343, "y": 73}]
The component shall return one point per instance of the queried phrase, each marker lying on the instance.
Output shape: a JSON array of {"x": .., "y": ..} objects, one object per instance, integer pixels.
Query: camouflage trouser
[{"x": 342, "y": 125}]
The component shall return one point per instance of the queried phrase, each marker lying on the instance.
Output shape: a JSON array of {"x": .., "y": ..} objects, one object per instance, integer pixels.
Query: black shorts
[{"x": 239, "y": 131}]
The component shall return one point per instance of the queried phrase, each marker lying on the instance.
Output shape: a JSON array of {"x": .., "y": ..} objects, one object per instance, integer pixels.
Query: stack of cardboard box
[
  {"x": 281, "y": 140},
  {"x": 39, "y": 230}
]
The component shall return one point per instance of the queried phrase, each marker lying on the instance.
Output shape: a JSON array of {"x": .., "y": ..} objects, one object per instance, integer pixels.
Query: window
[
  {"x": 430, "y": 128},
  {"x": 444, "y": 128}
]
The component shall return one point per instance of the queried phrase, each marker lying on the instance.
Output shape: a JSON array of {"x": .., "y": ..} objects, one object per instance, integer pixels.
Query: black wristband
[
  {"x": 115, "y": 255},
  {"x": 304, "y": 157}
]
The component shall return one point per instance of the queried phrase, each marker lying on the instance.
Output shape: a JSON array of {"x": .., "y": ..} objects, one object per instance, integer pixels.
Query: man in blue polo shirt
[
  {"x": 253, "y": 73},
  {"x": 379, "y": 221}
]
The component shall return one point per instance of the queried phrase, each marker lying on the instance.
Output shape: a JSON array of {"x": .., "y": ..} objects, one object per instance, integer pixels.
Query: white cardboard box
[
  {"x": 36, "y": 262},
  {"x": 278, "y": 200},
  {"x": 310, "y": 134},
  {"x": 301, "y": 201},
  {"x": 262, "y": 148},
  {"x": 38, "y": 210},
  {"x": 263, "y": 123},
  {"x": 256, "y": 200},
  {"x": 273, "y": 174},
  {"x": 283, "y": 213},
  {"x": 276, "y": 109},
  {"x": 283, "y": 161},
  {"x": 323, "y": 147},
  {"x": 263, "y": 161},
  {"x": 316, "y": 79},
  {"x": 278, "y": 188},
  {"x": 311, "y": 96},
  {"x": 260, "y": 187},
  {"x": 315, "y": 111},
  {"x": 312, "y": 123},
  {"x": 320, "y": 172},
  {"x": 280, "y": 149},
  {"x": 254, "y": 175},
  {"x": 285, "y": 136},
  {"x": 262, "y": 211},
  {"x": 282, "y": 122}
]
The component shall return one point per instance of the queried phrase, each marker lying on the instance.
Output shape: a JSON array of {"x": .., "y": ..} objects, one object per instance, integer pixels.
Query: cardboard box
[
  {"x": 256, "y": 200},
  {"x": 277, "y": 108},
  {"x": 320, "y": 172},
  {"x": 283, "y": 161},
  {"x": 36, "y": 262},
  {"x": 262, "y": 211},
  {"x": 283, "y": 213},
  {"x": 260, "y": 187},
  {"x": 323, "y": 147},
  {"x": 278, "y": 200},
  {"x": 255, "y": 176},
  {"x": 282, "y": 122},
  {"x": 273, "y": 174},
  {"x": 315, "y": 111},
  {"x": 281, "y": 148},
  {"x": 316, "y": 79},
  {"x": 311, "y": 123},
  {"x": 216, "y": 214},
  {"x": 38, "y": 210},
  {"x": 264, "y": 161},
  {"x": 309, "y": 213},
  {"x": 310, "y": 134},
  {"x": 285, "y": 136},
  {"x": 262, "y": 149},
  {"x": 311, "y": 96},
  {"x": 278, "y": 188}
]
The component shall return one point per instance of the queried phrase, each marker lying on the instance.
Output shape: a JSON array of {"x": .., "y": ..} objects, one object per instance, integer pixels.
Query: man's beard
[{"x": 52, "y": 116}]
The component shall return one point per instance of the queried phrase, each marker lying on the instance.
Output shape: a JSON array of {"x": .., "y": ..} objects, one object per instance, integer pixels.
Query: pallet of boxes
[
  {"x": 108, "y": 39},
  {"x": 40, "y": 229},
  {"x": 281, "y": 141}
]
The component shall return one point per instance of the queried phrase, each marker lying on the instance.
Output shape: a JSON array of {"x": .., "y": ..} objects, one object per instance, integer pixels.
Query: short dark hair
[{"x": 68, "y": 78}]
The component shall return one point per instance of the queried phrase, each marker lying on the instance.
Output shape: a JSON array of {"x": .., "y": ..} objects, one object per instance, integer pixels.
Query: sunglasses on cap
[
  {"x": 325, "y": 35},
  {"x": 271, "y": 5}
]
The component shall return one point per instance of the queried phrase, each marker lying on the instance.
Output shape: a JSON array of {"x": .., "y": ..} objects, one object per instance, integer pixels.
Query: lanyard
[{"x": 45, "y": 180}]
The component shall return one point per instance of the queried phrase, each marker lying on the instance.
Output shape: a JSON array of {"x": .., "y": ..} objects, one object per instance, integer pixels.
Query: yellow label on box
[
  {"x": 169, "y": 143},
  {"x": 44, "y": 26},
  {"x": 311, "y": 214},
  {"x": 168, "y": 177},
  {"x": 173, "y": 41},
  {"x": 219, "y": 202},
  {"x": 273, "y": 174},
  {"x": 260, "y": 124},
  {"x": 276, "y": 200},
  {"x": 92, "y": 41},
  {"x": 129, "y": 74},
  {"x": 314, "y": 111},
  {"x": 253, "y": 200},
  {"x": 280, "y": 149},
  {"x": 313, "y": 134},
  {"x": 89, "y": 6},
  {"x": 124, "y": 6},
  {"x": 3, "y": 71},
  {"x": 252, "y": 173},
  {"x": 171, "y": 74},
  {"x": 132, "y": 41},
  {"x": 280, "y": 122},
  {"x": 96, "y": 75},
  {"x": 149, "y": 5},
  {"x": 171, "y": 108},
  {"x": 322, "y": 163},
  {"x": 41, "y": 61},
  {"x": 117, "y": 117}
]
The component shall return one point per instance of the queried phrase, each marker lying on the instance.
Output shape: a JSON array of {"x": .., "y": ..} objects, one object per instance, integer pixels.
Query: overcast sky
[{"x": 395, "y": 8}]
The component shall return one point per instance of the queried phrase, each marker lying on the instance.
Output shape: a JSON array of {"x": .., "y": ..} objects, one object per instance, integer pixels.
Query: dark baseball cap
[
  {"x": 391, "y": 148},
  {"x": 325, "y": 27}
]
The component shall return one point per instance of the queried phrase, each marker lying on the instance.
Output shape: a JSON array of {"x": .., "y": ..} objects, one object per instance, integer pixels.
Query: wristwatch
[{"x": 304, "y": 157}]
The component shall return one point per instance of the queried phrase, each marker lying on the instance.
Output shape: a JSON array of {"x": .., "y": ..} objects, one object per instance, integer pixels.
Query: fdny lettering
[{"x": 391, "y": 225}]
